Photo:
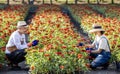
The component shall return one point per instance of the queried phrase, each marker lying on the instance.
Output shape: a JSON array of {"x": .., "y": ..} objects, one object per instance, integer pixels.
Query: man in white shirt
[
  {"x": 101, "y": 49},
  {"x": 15, "y": 48}
]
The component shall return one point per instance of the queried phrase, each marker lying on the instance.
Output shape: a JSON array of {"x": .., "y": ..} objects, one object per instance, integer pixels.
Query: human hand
[{"x": 88, "y": 50}]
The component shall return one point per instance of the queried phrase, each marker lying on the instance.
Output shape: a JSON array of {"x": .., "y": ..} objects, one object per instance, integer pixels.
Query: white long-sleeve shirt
[{"x": 18, "y": 40}]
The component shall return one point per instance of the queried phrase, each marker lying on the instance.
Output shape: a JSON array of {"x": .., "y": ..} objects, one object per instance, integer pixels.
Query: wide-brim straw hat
[{"x": 96, "y": 28}]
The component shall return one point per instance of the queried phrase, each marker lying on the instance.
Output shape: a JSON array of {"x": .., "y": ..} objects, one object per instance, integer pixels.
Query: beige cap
[{"x": 21, "y": 23}]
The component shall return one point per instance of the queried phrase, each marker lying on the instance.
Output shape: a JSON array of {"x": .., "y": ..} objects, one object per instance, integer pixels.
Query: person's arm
[
  {"x": 12, "y": 48},
  {"x": 91, "y": 45},
  {"x": 17, "y": 43},
  {"x": 96, "y": 51}
]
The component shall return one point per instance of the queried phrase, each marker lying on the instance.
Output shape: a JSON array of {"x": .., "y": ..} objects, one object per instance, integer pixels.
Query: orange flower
[
  {"x": 87, "y": 65},
  {"x": 114, "y": 42},
  {"x": 41, "y": 50},
  {"x": 32, "y": 67},
  {"x": 2, "y": 37},
  {"x": 50, "y": 36},
  {"x": 61, "y": 67},
  {"x": 116, "y": 36},
  {"x": 72, "y": 52},
  {"x": 50, "y": 46},
  {"x": 79, "y": 56},
  {"x": 34, "y": 51},
  {"x": 74, "y": 46},
  {"x": 118, "y": 46},
  {"x": 46, "y": 55}
]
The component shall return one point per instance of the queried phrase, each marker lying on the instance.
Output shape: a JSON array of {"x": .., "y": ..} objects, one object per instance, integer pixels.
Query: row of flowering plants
[
  {"x": 2, "y": 58},
  {"x": 57, "y": 51},
  {"x": 111, "y": 24},
  {"x": 112, "y": 11},
  {"x": 8, "y": 19}
]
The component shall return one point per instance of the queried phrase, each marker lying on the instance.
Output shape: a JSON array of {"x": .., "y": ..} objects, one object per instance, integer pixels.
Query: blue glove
[
  {"x": 81, "y": 44},
  {"x": 88, "y": 48},
  {"x": 35, "y": 42}
]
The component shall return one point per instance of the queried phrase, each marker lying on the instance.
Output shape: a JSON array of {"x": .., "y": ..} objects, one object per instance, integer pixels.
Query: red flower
[
  {"x": 58, "y": 53},
  {"x": 49, "y": 58},
  {"x": 83, "y": 50},
  {"x": 50, "y": 36},
  {"x": 2, "y": 37},
  {"x": 3, "y": 48},
  {"x": 64, "y": 47},
  {"x": 118, "y": 46},
  {"x": 79, "y": 56},
  {"x": 62, "y": 55}
]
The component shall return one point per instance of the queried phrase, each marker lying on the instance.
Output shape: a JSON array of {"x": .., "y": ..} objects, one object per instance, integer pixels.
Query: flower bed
[
  {"x": 57, "y": 51},
  {"x": 9, "y": 17},
  {"x": 113, "y": 12},
  {"x": 111, "y": 25}
]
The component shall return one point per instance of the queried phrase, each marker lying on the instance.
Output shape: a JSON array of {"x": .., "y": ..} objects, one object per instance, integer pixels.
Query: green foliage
[
  {"x": 98, "y": 9},
  {"x": 2, "y": 56}
]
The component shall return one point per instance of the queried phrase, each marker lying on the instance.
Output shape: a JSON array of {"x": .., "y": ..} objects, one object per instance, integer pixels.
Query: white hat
[
  {"x": 96, "y": 28},
  {"x": 21, "y": 23}
]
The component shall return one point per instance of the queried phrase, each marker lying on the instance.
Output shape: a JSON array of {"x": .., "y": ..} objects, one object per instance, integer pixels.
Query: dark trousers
[
  {"x": 118, "y": 65},
  {"x": 16, "y": 56}
]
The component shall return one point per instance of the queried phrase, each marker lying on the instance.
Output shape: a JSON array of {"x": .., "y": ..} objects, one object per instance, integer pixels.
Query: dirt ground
[{"x": 110, "y": 70}]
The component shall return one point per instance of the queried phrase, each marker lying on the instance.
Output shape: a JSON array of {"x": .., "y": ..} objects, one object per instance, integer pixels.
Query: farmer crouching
[
  {"x": 15, "y": 48},
  {"x": 99, "y": 49}
]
